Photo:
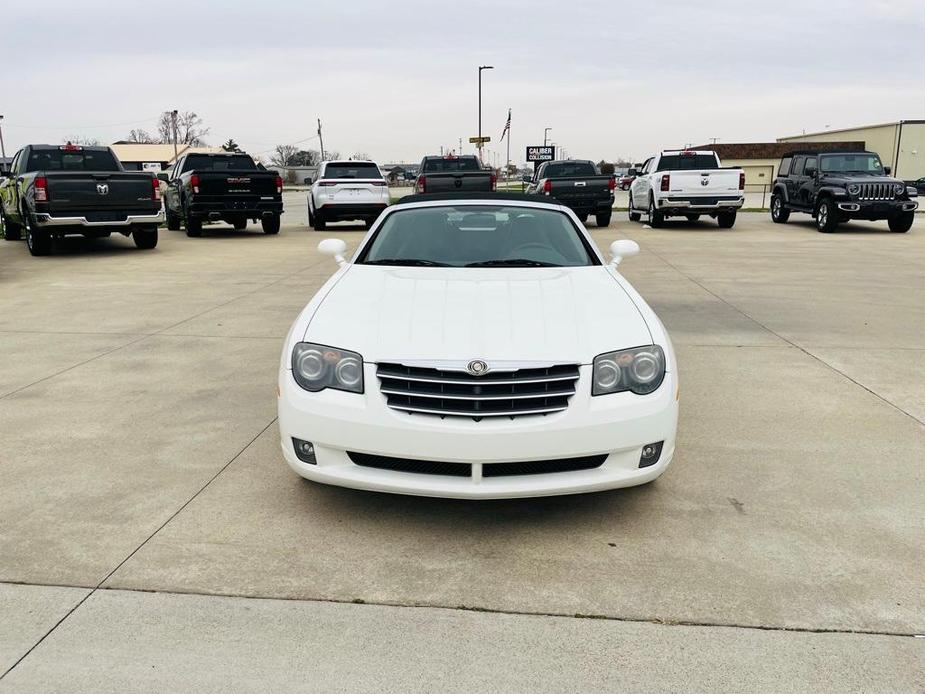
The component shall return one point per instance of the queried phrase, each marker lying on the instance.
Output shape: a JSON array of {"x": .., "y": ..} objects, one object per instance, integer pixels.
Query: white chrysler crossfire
[{"x": 478, "y": 347}]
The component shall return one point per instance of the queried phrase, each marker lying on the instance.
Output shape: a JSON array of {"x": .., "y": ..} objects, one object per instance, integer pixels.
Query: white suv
[{"x": 347, "y": 190}]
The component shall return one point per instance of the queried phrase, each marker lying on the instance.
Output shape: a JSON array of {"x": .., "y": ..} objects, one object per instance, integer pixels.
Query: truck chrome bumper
[
  {"x": 694, "y": 205},
  {"x": 46, "y": 220}
]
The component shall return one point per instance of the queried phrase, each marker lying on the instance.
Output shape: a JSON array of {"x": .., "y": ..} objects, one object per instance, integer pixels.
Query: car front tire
[
  {"x": 779, "y": 213},
  {"x": 656, "y": 220},
  {"x": 901, "y": 223},
  {"x": 826, "y": 217},
  {"x": 11, "y": 230}
]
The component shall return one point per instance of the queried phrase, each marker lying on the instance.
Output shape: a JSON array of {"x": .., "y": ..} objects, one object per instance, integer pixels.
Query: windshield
[
  {"x": 687, "y": 162},
  {"x": 451, "y": 164},
  {"x": 352, "y": 170},
  {"x": 235, "y": 162},
  {"x": 71, "y": 160},
  {"x": 478, "y": 236},
  {"x": 572, "y": 168},
  {"x": 853, "y": 163}
]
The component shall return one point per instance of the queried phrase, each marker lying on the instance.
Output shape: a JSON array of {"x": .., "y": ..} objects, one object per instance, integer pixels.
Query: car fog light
[
  {"x": 305, "y": 451},
  {"x": 650, "y": 454}
]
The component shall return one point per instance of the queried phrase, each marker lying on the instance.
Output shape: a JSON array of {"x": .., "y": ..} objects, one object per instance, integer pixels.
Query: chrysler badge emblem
[{"x": 477, "y": 367}]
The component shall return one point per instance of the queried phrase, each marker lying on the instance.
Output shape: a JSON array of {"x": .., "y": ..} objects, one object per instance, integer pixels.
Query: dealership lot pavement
[{"x": 150, "y": 531}]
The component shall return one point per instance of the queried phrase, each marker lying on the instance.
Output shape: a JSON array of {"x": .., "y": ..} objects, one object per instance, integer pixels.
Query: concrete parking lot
[{"x": 152, "y": 538}]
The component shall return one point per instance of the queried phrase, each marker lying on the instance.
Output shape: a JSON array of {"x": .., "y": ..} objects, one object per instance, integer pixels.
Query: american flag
[{"x": 507, "y": 126}]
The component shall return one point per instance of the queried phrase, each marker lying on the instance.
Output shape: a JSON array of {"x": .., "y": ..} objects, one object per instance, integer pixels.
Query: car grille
[
  {"x": 432, "y": 467},
  {"x": 876, "y": 191},
  {"x": 446, "y": 393}
]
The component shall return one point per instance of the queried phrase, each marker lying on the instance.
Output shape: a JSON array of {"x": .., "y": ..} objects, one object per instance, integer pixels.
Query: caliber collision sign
[{"x": 541, "y": 153}]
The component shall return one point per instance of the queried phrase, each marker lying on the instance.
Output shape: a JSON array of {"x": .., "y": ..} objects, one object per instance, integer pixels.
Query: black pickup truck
[
  {"x": 51, "y": 191},
  {"x": 452, "y": 174},
  {"x": 228, "y": 187},
  {"x": 834, "y": 187},
  {"x": 579, "y": 185}
]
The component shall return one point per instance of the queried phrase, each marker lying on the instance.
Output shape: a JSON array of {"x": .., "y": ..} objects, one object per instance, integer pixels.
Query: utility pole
[
  {"x": 2, "y": 148},
  {"x": 460, "y": 147},
  {"x": 507, "y": 164},
  {"x": 545, "y": 135},
  {"x": 320, "y": 140},
  {"x": 173, "y": 121},
  {"x": 714, "y": 139},
  {"x": 481, "y": 67}
]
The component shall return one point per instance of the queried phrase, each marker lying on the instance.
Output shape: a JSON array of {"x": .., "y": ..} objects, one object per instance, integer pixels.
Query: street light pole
[
  {"x": 2, "y": 148},
  {"x": 545, "y": 135},
  {"x": 481, "y": 67},
  {"x": 173, "y": 121}
]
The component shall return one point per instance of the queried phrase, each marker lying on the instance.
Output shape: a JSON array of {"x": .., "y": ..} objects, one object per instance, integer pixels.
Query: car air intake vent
[
  {"x": 453, "y": 393},
  {"x": 434, "y": 467},
  {"x": 876, "y": 191}
]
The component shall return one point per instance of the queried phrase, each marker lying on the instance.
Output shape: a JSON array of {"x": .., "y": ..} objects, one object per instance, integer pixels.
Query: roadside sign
[
  {"x": 541, "y": 153},
  {"x": 479, "y": 140}
]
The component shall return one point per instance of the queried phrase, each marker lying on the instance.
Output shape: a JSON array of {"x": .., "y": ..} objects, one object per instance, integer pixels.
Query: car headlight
[
  {"x": 899, "y": 188},
  {"x": 316, "y": 367},
  {"x": 853, "y": 189},
  {"x": 640, "y": 370}
]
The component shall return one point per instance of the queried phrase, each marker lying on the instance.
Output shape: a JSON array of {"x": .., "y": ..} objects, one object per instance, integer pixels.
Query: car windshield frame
[
  {"x": 505, "y": 214},
  {"x": 824, "y": 159}
]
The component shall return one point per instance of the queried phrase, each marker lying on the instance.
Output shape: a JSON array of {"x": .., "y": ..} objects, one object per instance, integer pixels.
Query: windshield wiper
[
  {"x": 513, "y": 262},
  {"x": 406, "y": 261}
]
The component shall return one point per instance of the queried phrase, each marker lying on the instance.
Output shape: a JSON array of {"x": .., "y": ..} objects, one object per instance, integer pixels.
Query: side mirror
[
  {"x": 335, "y": 248},
  {"x": 624, "y": 248},
  {"x": 526, "y": 178},
  {"x": 163, "y": 177},
  {"x": 887, "y": 170},
  {"x": 809, "y": 171},
  {"x": 632, "y": 172},
  {"x": 308, "y": 181}
]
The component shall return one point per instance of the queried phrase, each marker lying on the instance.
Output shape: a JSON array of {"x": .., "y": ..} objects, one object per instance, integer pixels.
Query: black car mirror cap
[
  {"x": 810, "y": 171},
  {"x": 163, "y": 177},
  {"x": 632, "y": 172},
  {"x": 888, "y": 170}
]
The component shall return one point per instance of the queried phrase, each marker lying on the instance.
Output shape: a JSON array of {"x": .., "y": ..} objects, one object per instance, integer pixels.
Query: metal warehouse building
[{"x": 901, "y": 144}]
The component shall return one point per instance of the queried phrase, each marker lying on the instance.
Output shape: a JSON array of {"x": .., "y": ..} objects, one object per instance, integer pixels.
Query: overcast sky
[{"x": 397, "y": 79}]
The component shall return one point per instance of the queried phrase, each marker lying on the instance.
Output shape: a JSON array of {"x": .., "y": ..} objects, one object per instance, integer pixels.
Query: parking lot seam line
[
  {"x": 788, "y": 341},
  {"x": 516, "y": 613},
  {"x": 47, "y": 633},
  {"x": 132, "y": 553}
]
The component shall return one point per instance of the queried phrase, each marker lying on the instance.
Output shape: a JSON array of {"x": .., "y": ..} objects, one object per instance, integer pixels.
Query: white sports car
[{"x": 478, "y": 347}]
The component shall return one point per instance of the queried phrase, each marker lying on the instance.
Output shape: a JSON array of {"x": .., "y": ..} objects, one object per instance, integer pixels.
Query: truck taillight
[
  {"x": 666, "y": 183},
  {"x": 612, "y": 184},
  {"x": 279, "y": 184},
  {"x": 155, "y": 189},
  {"x": 742, "y": 181},
  {"x": 494, "y": 182},
  {"x": 194, "y": 183},
  {"x": 547, "y": 186},
  {"x": 40, "y": 193},
  {"x": 422, "y": 184}
]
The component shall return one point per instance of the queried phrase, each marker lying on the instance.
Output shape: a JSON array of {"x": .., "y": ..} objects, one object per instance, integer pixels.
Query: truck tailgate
[
  {"x": 458, "y": 181},
  {"x": 237, "y": 183},
  {"x": 76, "y": 190},
  {"x": 703, "y": 182},
  {"x": 581, "y": 189}
]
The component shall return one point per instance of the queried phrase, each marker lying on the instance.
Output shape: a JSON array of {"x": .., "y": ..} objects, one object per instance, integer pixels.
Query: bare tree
[
  {"x": 331, "y": 155},
  {"x": 190, "y": 129},
  {"x": 361, "y": 156},
  {"x": 81, "y": 140},
  {"x": 141, "y": 137},
  {"x": 289, "y": 155}
]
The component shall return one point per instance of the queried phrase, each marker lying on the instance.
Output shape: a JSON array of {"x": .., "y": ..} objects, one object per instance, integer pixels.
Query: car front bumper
[
  {"x": 338, "y": 423},
  {"x": 881, "y": 209}
]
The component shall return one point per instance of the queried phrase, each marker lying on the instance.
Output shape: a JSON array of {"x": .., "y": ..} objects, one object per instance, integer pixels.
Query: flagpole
[{"x": 507, "y": 166}]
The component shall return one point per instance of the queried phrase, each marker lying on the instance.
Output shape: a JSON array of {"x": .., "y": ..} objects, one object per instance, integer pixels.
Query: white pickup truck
[{"x": 686, "y": 183}]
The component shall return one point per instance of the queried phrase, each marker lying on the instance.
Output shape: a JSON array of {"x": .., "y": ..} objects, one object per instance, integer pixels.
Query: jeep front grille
[
  {"x": 876, "y": 191},
  {"x": 453, "y": 393}
]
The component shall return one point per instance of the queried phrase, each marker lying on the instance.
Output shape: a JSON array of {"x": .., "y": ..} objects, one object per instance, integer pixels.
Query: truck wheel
[
  {"x": 318, "y": 223},
  {"x": 901, "y": 223},
  {"x": 11, "y": 230},
  {"x": 779, "y": 213},
  {"x": 270, "y": 224},
  {"x": 173, "y": 220},
  {"x": 726, "y": 220},
  {"x": 603, "y": 220},
  {"x": 634, "y": 216},
  {"x": 240, "y": 224},
  {"x": 145, "y": 238},
  {"x": 193, "y": 226},
  {"x": 656, "y": 220},
  {"x": 39, "y": 241},
  {"x": 826, "y": 217}
]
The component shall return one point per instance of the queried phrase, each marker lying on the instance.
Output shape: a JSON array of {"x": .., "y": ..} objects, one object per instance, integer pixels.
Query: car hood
[
  {"x": 859, "y": 178},
  {"x": 505, "y": 314}
]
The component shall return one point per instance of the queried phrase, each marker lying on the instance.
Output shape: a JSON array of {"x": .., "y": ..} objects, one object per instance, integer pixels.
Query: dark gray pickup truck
[
  {"x": 579, "y": 185},
  {"x": 452, "y": 174},
  {"x": 52, "y": 191}
]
